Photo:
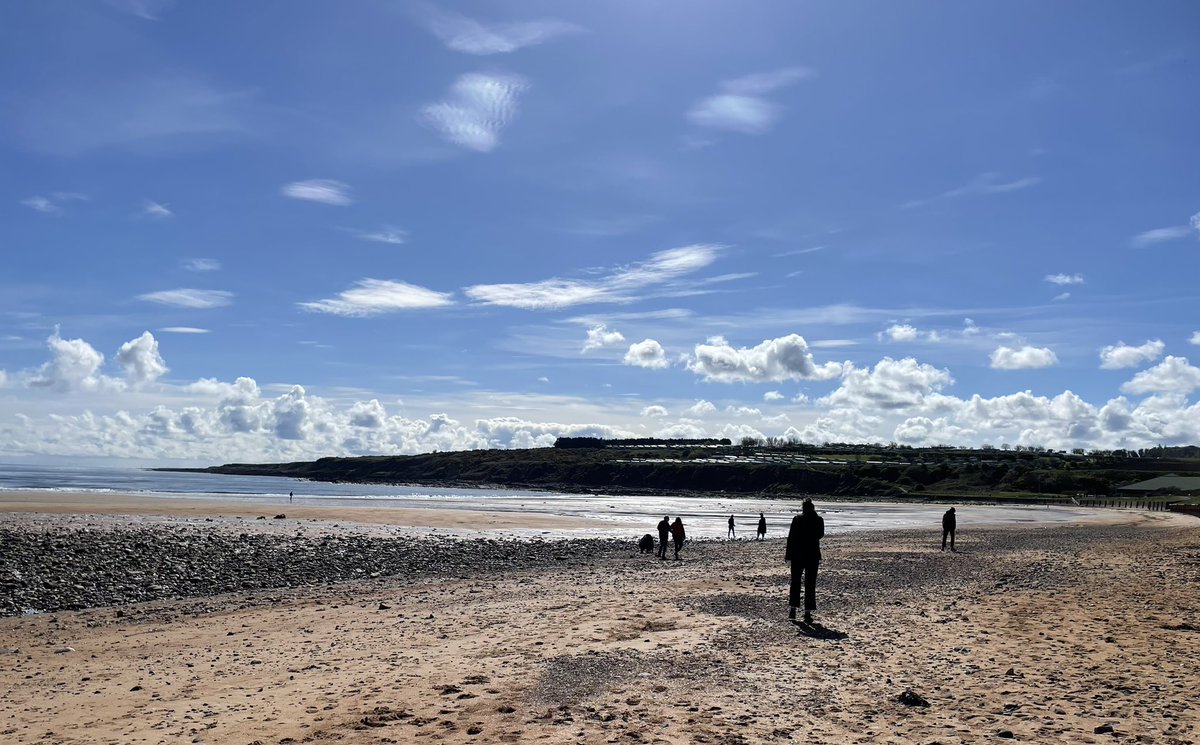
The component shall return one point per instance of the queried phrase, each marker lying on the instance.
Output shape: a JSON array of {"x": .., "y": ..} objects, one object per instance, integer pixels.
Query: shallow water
[{"x": 615, "y": 516}]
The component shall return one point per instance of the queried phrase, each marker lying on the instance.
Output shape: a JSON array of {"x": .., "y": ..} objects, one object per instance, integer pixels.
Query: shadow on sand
[{"x": 817, "y": 631}]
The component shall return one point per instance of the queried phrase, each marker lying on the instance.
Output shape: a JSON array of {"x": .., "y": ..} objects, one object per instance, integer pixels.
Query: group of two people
[{"x": 672, "y": 530}]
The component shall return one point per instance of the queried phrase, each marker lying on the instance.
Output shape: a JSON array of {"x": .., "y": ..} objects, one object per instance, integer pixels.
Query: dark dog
[{"x": 647, "y": 544}]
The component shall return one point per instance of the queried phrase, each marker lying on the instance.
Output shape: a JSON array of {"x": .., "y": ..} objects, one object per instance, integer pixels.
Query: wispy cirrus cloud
[
  {"x": 1160, "y": 235},
  {"x": 189, "y": 298},
  {"x": 183, "y": 330},
  {"x": 467, "y": 35},
  {"x": 982, "y": 185},
  {"x": 325, "y": 191},
  {"x": 386, "y": 234},
  {"x": 371, "y": 297},
  {"x": 155, "y": 210},
  {"x": 477, "y": 107},
  {"x": 617, "y": 286},
  {"x": 53, "y": 204},
  {"x": 201, "y": 265},
  {"x": 741, "y": 104},
  {"x": 1064, "y": 279}
]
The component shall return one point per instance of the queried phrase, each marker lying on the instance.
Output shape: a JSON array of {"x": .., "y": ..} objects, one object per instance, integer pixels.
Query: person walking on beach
[
  {"x": 289, "y": 496},
  {"x": 762, "y": 526},
  {"x": 949, "y": 524},
  {"x": 732, "y": 531},
  {"x": 678, "y": 535},
  {"x": 804, "y": 552},
  {"x": 664, "y": 532}
]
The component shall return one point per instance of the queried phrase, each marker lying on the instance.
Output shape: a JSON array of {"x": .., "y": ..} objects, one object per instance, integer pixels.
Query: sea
[{"x": 614, "y": 516}]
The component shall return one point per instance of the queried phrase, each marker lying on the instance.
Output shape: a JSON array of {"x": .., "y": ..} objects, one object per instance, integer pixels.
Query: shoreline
[{"x": 1048, "y": 634}]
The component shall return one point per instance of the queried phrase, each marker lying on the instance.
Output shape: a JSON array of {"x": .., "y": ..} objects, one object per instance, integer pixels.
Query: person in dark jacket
[
  {"x": 678, "y": 535},
  {"x": 949, "y": 524},
  {"x": 762, "y": 526},
  {"x": 804, "y": 552},
  {"x": 664, "y": 533},
  {"x": 732, "y": 531}
]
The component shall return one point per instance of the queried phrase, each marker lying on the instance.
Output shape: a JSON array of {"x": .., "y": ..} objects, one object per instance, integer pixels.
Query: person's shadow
[{"x": 817, "y": 631}]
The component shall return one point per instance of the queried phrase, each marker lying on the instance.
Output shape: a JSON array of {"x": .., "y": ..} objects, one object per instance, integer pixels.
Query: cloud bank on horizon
[{"x": 486, "y": 226}]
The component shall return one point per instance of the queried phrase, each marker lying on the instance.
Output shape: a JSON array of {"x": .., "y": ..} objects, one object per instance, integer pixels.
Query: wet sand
[{"x": 1031, "y": 634}]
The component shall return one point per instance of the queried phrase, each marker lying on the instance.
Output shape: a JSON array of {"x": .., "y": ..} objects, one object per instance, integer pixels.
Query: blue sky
[{"x": 290, "y": 229}]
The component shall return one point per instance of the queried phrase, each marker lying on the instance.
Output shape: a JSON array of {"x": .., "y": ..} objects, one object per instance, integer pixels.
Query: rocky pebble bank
[{"x": 71, "y": 569}]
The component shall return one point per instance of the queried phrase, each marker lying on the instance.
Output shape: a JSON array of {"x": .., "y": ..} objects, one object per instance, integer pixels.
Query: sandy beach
[{"x": 1064, "y": 634}]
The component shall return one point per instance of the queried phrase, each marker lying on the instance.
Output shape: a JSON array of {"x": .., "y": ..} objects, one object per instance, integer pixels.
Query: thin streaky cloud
[
  {"x": 800, "y": 251},
  {"x": 1064, "y": 279},
  {"x": 156, "y": 210},
  {"x": 740, "y": 104},
  {"x": 1160, "y": 235},
  {"x": 201, "y": 265},
  {"x": 477, "y": 107},
  {"x": 371, "y": 297},
  {"x": 324, "y": 191},
  {"x": 386, "y": 234},
  {"x": 470, "y": 36},
  {"x": 42, "y": 204},
  {"x": 183, "y": 330},
  {"x": 982, "y": 185},
  {"x": 189, "y": 298}
]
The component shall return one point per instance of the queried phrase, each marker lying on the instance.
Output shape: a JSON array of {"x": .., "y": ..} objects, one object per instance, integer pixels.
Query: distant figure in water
[
  {"x": 678, "y": 535},
  {"x": 732, "y": 531},
  {"x": 664, "y": 533},
  {"x": 949, "y": 524},
  {"x": 804, "y": 552},
  {"x": 646, "y": 544},
  {"x": 762, "y": 526}
]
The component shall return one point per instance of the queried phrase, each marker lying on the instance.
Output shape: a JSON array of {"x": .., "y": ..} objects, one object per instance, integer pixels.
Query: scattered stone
[
  {"x": 910, "y": 698},
  {"x": 1104, "y": 729},
  {"x": 280, "y": 516},
  {"x": 1007, "y": 734}
]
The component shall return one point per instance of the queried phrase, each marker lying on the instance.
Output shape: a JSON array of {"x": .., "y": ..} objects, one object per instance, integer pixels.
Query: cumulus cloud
[
  {"x": 741, "y": 104},
  {"x": 904, "y": 332},
  {"x": 1122, "y": 355},
  {"x": 1023, "y": 358},
  {"x": 374, "y": 296},
  {"x": 1172, "y": 375},
  {"x": 655, "y": 411},
  {"x": 647, "y": 353},
  {"x": 1195, "y": 338},
  {"x": 969, "y": 327},
  {"x": 890, "y": 384},
  {"x": 743, "y": 411},
  {"x": 478, "y": 106},
  {"x": 325, "y": 191},
  {"x": 1065, "y": 279},
  {"x": 155, "y": 210},
  {"x": 467, "y": 35},
  {"x": 618, "y": 285},
  {"x": 1160, "y": 235},
  {"x": 600, "y": 336},
  {"x": 189, "y": 298},
  {"x": 774, "y": 360},
  {"x": 701, "y": 408},
  {"x": 141, "y": 360},
  {"x": 75, "y": 365},
  {"x": 773, "y": 396}
]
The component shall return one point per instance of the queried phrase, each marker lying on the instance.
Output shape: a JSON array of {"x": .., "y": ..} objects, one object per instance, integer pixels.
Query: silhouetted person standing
[
  {"x": 762, "y": 526},
  {"x": 732, "y": 531},
  {"x": 664, "y": 533},
  {"x": 949, "y": 525},
  {"x": 678, "y": 535},
  {"x": 804, "y": 551}
]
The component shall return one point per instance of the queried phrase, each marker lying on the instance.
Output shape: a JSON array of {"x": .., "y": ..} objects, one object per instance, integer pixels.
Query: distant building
[{"x": 1189, "y": 485}]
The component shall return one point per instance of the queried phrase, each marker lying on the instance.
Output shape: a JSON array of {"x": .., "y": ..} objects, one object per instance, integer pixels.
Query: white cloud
[
  {"x": 478, "y": 106},
  {"x": 1195, "y": 338},
  {"x": 982, "y": 185},
  {"x": 1121, "y": 355},
  {"x": 41, "y": 204},
  {"x": 141, "y": 360},
  {"x": 153, "y": 209},
  {"x": 773, "y": 396},
  {"x": 1195, "y": 222},
  {"x": 75, "y": 365},
  {"x": 774, "y": 360},
  {"x": 1065, "y": 279},
  {"x": 1024, "y": 358},
  {"x": 600, "y": 336},
  {"x": 647, "y": 353},
  {"x": 147, "y": 10},
  {"x": 740, "y": 106},
  {"x": 1061, "y": 296},
  {"x": 904, "y": 332},
  {"x": 189, "y": 298},
  {"x": 183, "y": 330},
  {"x": 743, "y": 411},
  {"x": 325, "y": 191},
  {"x": 701, "y": 408},
  {"x": 467, "y": 35},
  {"x": 969, "y": 327},
  {"x": 617, "y": 286},
  {"x": 373, "y": 296},
  {"x": 1160, "y": 235},
  {"x": 891, "y": 384},
  {"x": 655, "y": 411},
  {"x": 201, "y": 265},
  {"x": 1172, "y": 376},
  {"x": 386, "y": 234}
]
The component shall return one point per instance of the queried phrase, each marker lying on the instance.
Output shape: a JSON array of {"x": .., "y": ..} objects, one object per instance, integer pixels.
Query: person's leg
[
  {"x": 944, "y": 534},
  {"x": 796, "y": 589},
  {"x": 810, "y": 591},
  {"x": 952, "y": 530}
]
